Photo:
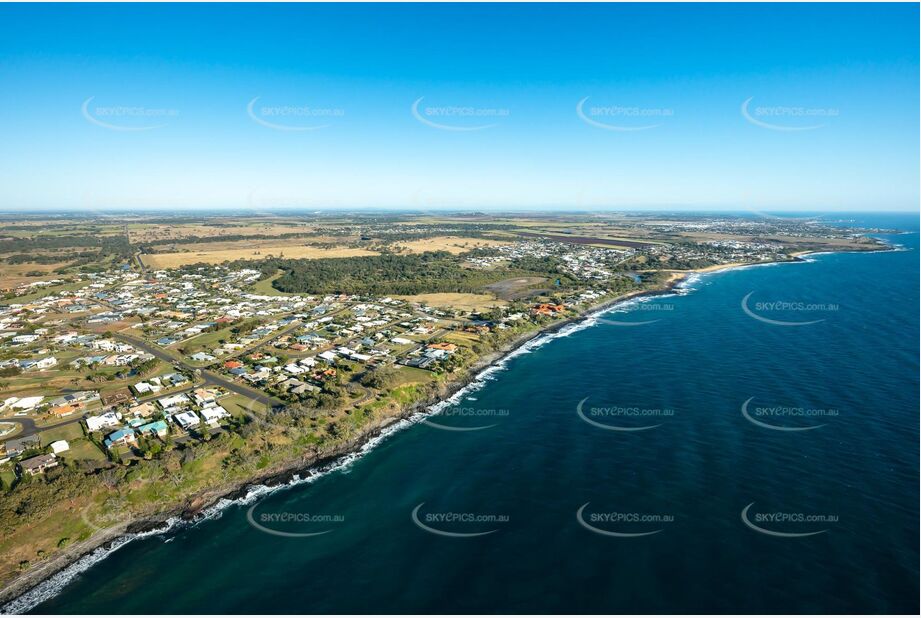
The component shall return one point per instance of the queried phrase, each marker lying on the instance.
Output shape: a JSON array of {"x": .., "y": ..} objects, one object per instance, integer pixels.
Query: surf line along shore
[{"x": 42, "y": 582}]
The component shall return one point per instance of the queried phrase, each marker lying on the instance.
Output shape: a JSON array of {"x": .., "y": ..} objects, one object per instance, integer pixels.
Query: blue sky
[{"x": 147, "y": 106}]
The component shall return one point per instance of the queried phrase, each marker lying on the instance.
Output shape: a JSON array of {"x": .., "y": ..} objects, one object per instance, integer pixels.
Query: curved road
[
  {"x": 209, "y": 377},
  {"x": 29, "y": 428}
]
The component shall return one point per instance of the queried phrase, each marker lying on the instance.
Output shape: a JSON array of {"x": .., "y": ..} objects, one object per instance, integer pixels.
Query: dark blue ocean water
[{"x": 686, "y": 480}]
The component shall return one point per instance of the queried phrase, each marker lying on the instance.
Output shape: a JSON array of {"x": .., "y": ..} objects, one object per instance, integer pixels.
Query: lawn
[
  {"x": 464, "y": 302},
  {"x": 264, "y": 287},
  {"x": 238, "y": 405},
  {"x": 83, "y": 449},
  {"x": 48, "y": 290},
  {"x": 246, "y": 251},
  {"x": 69, "y": 432}
]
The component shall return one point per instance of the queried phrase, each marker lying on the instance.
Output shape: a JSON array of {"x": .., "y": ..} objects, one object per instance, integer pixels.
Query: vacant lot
[
  {"x": 451, "y": 244},
  {"x": 175, "y": 260},
  {"x": 620, "y": 243},
  {"x": 152, "y": 232},
  {"x": 520, "y": 287},
  {"x": 466, "y": 302},
  {"x": 13, "y": 275}
]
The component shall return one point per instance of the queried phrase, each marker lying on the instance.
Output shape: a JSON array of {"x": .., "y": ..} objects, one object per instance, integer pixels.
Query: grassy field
[
  {"x": 45, "y": 291},
  {"x": 264, "y": 287},
  {"x": 14, "y": 275},
  {"x": 238, "y": 405},
  {"x": 83, "y": 449},
  {"x": 513, "y": 289},
  {"x": 451, "y": 244},
  {"x": 69, "y": 432},
  {"x": 465, "y": 302},
  {"x": 175, "y": 260},
  {"x": 145, "y": 232}
]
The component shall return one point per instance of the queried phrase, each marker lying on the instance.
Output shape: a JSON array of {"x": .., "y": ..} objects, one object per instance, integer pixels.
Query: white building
[
  {"x": 186, "y": 419},
  {"x": 214, "y": 414},
  {"x": 103, "y": 421}
]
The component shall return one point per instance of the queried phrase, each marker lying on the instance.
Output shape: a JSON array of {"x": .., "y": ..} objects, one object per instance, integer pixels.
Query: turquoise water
[{"x": 537, "y": 462}]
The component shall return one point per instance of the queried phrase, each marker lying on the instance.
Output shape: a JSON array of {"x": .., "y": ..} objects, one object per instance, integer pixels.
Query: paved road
[
  {"x": 259, "y": 345},
  {"x": 29, "y": 428},
  {"x": 209, "y": 377}
]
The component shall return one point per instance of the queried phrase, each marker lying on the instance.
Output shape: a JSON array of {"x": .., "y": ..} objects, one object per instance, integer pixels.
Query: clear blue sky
[{"x": 109, "y": 106}]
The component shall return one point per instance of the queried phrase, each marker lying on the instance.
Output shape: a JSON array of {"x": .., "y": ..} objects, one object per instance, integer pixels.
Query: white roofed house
[
  {"x": 329, "y": 356},
  {"x": 294, "y": 369},
  {"x": 173, "y": 401},
  {"x": 103, "y": 421},
  {"x": 186, "y": 419},
  {"x": 26, "y": 403},
  {"x": 214, "y": 414}
]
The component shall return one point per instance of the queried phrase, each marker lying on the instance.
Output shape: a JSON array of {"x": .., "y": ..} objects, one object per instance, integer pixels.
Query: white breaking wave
[{"x": 57, "y": 582}]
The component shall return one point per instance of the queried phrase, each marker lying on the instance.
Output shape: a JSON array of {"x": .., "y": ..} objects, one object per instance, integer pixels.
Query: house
[
  {"x": 174, "y": 379},
  {"x": 142, "y": 388},
  {"x": 186, "y": 419},
  {"x": 446, "y": 347},
  {"x": 204, "y": 396},
  {"x": 24, "y": 339},
  {"x": 173, "y": 400},
  {"x": 103, "y": 421},
  {"x": 142, "y": 409},
  {"x": 157, "y": 428},
  {"x": 232, "y": 364},
  {"x": 17, "y": 446},
  {"x": 214, "y": 414},
  {"x": 421, "y": 363},
  {"x": 122, "y": 437},
  {"x": 202, "y": 357},
  {"x": 38, "y": 464},
  {"x": 44, "y": 363},
  {"x": 289, "y": 383},
  {"x": 305, "y": 388},
  {"x": 76, "y": 397},
  {"x": 59, "y": 446},
  {"x": 27, "y": 403},
  {"x": 66, "y": 409},
  {"x": 547, "y": 309}
]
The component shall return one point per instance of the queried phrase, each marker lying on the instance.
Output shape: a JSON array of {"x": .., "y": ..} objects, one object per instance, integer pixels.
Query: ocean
[{"x": 747, "y": 444}]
